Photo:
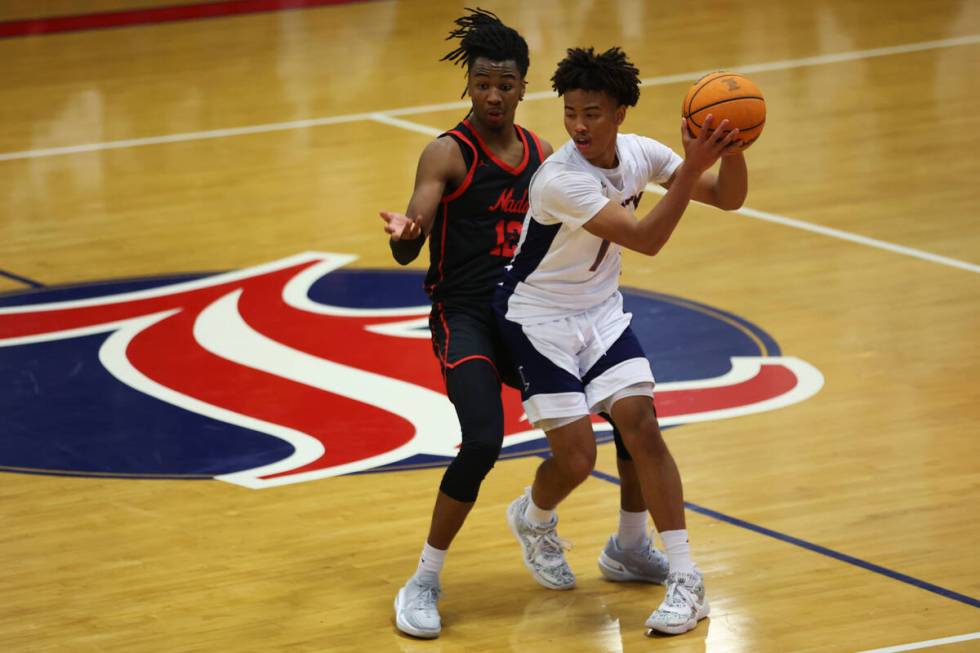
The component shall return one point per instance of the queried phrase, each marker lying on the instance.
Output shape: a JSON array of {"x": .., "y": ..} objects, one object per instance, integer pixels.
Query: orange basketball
[{"x": 728, "y": 95}]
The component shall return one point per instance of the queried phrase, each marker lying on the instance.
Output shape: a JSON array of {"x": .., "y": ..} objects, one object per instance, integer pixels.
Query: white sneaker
[
  {"x": 645, "y": 564},
  {"x": 684, "y": 605},
  {"x": 544, "y": 551},
  {"x": 416, "y": 612}
]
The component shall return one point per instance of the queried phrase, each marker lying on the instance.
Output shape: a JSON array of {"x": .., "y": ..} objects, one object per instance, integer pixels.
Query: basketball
[{"x": 726, "y": 95}]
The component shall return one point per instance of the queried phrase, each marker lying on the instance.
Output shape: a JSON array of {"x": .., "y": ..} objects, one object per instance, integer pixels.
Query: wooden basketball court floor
[{"x": 845, "y": 522}]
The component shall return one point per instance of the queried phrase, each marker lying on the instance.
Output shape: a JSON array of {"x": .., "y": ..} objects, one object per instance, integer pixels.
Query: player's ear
[
  {"x": 620, "y": 114},
  {"x": 523, "y": 90}
]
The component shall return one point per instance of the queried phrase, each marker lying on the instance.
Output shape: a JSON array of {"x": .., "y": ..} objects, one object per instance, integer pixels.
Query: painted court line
[
  {"x": 20, "y": 279},
  {"x": 153, "y": 15},
  {"x": 389, "y": 118},
  {"x": 759, "y": 215},
  {"x": 862, "y": 240},
  {"x": 405, "y": 124},
  {"x": 785, "y": 64},
  {"x": 816, "y": 548},
  {"x": 187, "y": 136},
  {"x": 753, "y": 213},
  {"x": 845, "y": 235},
  {"x": 925, "y": 644}
]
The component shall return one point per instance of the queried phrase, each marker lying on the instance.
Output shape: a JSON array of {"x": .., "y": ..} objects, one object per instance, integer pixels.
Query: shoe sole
[
  {"x": 511, "y": 521},
  {"x": 406, "y": 627},
  {"x": 683, "y": 628},
  {"x": 617, "y": 573}
]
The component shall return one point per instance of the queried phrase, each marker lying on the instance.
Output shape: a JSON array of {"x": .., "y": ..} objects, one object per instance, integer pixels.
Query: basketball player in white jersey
[{"x": 561, "y": 312}]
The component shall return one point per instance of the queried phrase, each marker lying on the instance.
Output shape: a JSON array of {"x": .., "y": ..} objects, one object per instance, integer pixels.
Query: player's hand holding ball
[
  {"x": 726, "y": 96},
  {"x": 714, "y": 140}
]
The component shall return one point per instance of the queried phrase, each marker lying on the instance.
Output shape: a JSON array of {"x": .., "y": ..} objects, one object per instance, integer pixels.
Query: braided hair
[
  {"x": 610, "y": 72},
  {"x": 482, "y": 34}
]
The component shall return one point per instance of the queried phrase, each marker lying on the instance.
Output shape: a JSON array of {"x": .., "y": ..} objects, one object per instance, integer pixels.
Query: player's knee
[
  {"x": 480, "y": 456},
  {"x": 465, "y": 474},
  {"x": 644, "y": 440},
  {"x": 576, "y": 465}
]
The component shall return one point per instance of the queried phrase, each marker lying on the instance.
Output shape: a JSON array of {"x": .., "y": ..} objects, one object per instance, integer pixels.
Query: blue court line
[
  {"x": 20, "y": 279},
  {"x": 816, "y": 548}
]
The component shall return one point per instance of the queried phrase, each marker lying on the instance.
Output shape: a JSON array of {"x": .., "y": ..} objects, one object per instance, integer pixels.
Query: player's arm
[
  {"x": 546, "y": 148},
  {"x": 649, "y": 234},
  {"x": 440, "y": 164},
  {"x": 726, "y": 189}
]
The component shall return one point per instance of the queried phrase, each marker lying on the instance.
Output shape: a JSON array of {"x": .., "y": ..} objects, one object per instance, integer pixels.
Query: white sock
[
  {"x": 432, "y": 560},
  {"x": 538, "y": 516},
  {"x": 632, "y": 529},
  {"x": 678, "y": 551}
]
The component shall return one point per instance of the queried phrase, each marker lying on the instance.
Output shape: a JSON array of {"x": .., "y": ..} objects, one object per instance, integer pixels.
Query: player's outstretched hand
[
  {"x": 401, "y": 227},
  {"x": 703, "y": 150}
]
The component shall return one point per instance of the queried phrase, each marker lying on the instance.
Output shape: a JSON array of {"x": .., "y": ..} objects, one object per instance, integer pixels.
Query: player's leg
[
  {"x": 630, "y": 492},
  {"x": 474, "y": 390},
  {"x": 473, "y": 387},
  {"x": 630, "y": 554},
  {"x": 654, "y": 465},
  {"x": 532, "y": 516},
  {"x": 685, "y": 602},
  {"x": 573, "y": 454},
  {"x": 621, "y": 382},
  {"x": 617, "y": 367},
  {"x": 554, "y": 401}
]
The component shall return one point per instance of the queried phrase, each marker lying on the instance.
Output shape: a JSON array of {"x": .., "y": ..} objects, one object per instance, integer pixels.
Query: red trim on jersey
[
  {"x": 445, "y": 350},
  {"x": 469, "y": 173},
  {"x": 486, "y": 150},
  {"x": 445, "y": 206},
  {"x": 537, "y": 144},
  {"x": 473, "y": 358},
  {"x": 442, "y": 244}
]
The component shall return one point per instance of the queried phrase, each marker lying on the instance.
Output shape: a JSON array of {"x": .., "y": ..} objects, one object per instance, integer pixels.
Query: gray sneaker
[
  {"x": 416, "y": 612},
  {"x": 544, "y": 551},
  {"x": 645, "y": 564},
  {"x": 684, "y": 605}
]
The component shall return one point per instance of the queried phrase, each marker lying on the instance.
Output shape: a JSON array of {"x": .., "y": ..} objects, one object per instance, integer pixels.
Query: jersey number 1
[{"x": 603, "y": 248}]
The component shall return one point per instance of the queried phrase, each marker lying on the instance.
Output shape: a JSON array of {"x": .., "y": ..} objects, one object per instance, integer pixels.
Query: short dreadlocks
[
  {"x": 610, "y": 72},
  {"x": 482, "y": 34}
]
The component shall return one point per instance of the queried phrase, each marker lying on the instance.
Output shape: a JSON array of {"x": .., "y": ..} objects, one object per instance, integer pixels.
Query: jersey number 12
[{"x": 508, "y": 235}]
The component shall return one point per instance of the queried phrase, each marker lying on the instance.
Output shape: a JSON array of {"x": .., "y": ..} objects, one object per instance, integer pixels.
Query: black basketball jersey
[{"x": 478, "y": 224}]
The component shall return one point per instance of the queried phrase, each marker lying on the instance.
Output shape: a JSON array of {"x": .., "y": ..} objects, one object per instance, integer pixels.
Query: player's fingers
[
  {"x": 719, "y": 132},
  {"x": 685, "y": 131},
  {"x": 707, "y": 128}
]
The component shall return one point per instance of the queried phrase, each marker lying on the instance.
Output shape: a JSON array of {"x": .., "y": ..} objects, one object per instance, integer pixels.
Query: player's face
[
  {"x": 495, "y": 87},
  {"x": 592, "y": 119}
]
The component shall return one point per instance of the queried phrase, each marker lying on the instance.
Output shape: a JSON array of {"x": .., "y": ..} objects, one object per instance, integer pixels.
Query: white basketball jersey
[{"x": 560, "y": 268}]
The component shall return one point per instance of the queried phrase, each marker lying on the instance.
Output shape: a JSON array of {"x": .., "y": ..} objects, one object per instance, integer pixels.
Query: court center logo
[{"x": 299, "y": 370}]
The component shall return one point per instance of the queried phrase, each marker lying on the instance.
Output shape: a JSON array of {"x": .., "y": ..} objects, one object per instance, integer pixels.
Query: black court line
[
  {"x": 20, "y": 279},
  {"x": 816, "y": 548}
]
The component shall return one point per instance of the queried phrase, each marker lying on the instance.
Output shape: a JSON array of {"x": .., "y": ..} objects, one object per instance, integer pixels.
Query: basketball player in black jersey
[{"x": 469, "y": 200}]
